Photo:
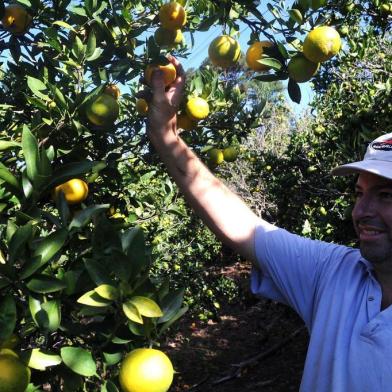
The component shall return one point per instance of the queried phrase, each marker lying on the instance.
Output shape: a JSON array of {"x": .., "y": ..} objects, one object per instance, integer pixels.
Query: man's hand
[{"x": 164, "y": 102}]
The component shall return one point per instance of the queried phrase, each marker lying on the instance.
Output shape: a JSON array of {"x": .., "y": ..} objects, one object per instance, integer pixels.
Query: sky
[{"x": 200, "y": 51}]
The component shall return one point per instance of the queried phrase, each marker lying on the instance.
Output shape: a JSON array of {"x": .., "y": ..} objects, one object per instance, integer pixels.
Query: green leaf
[
  {"x": 112, "y": 358},
  {"x": 46, "y": 315},
  {"x": 271, "y": 62},
  {"x": 7, "y": 317},
  {"x": 68, "y": 171},
  {"x": 170, "y": 305},
  {"x": 133, "y": 245},
  {"x": 107, "y": 291},
  {"x": 37, "y": 86},
  {"x": 44, "y": 251},
  {"x": 109, "y": 387},
  {"x": 7, "y": 144},
  {"x": 169, "y": 323},
  {"x": 97, "y": 271},
  {"x": 12, "y": 183},
  {"x": 91, "y": 298},
  {"x": 64, "y": 24},
  {"x": 20, "y": 237},
  {"x": 296, "y": 16},
  {"x": 294, "y": 91},
  {"x": 79, "y": 360},
  {"x": 84, "y": 216},
  {"x": 45, "y": 284},
  {"x": 130, "y": 310},
  {"x": 146, "y": 306},
  {"x": 39, "y": 360},
  {"x": 91, "y": 44},
  {"x": 31, "y": 154}
]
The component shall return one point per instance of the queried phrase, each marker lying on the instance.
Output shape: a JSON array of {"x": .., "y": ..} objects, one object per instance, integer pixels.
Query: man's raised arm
[{"x": 221, "y": 210}]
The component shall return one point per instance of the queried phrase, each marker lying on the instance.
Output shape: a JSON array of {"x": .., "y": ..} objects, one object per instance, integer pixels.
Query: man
[{"x": 342, "y": 294}]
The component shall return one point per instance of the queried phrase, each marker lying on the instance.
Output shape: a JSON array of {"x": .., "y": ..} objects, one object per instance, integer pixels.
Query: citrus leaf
[
  {"x": 46, "y": 315},
  {"x": 20, "y": 237},
  {"x": 31, "y": 154},
  {"x": 98, "y": 273},
  {"x": 271, "y": 62},
  {"x": 11, "y": 182},
  {"x": 169, "y": 323},
  {"x": 146, "y": 306},
  {"x": 170, "y": 305},
  {"x": 45, "y": 250},
  {"x": 294, "y": 91},
  {"x": 45, "y": 284},
  {"x": 79, "y": 360},
  {"x": 107, "y": 291},
  {"x": 64, "y": 24},
  {"x": 91, "y": 298},
  {"x": 84, "y": 216},
  {"x": 36, "y": 86},
  {"x": 40, "y": 360},
  {"x": 7, "y": 144},
  {"x": 7, "y": 317},
  {"x": 109, "y": 387},
  {"x": 131, "y": 312}
]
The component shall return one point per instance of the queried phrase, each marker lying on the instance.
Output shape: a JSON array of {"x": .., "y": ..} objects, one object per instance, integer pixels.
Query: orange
[
  {"x": 112, "y": 90},
  {"x": 254, "y": 53},
  {"x": 215, "y": 156},
  {"x": 103, "y": 110},
  {"x": 300, "y": 69},
  {"x": 75, "y": 191},
  {"x": 141, "y": 106},
  {"x": 197, "y": 108},
  {"x": 224, "y": 51},
  {"x": 321, "y": 44},
  {"x": 185, "y": 122},
  {"x": 168, "y": 69},
  {"x": 168, "y": 38},
  {"x": 146, "y": 370},
  {"x": 16, "y": 19},
  {"x": 14, "y": 374},
  {"x": 172, "y": 16},
  {"x": 230, "y": 154}
]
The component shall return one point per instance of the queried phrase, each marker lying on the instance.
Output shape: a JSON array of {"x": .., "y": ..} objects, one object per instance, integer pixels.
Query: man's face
[{"x": 372, "y": 217}]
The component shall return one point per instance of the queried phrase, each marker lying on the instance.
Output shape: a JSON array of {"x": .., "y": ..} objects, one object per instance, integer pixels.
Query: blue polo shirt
[{"x": 334, "y": 290}]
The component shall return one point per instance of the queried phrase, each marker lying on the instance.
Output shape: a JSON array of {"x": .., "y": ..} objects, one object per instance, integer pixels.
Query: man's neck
[{"x": 384, "y": 276}]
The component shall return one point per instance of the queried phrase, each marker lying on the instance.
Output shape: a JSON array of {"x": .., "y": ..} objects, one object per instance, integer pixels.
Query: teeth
[{"x": 371, "y": 232}]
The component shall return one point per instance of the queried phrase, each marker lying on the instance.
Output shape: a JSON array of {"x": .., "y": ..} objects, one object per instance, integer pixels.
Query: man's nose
[{"x": 365, "y": 206}]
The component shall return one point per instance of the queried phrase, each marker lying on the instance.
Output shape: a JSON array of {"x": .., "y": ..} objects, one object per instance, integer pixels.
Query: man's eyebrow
[{"x": 376, "y": 187}]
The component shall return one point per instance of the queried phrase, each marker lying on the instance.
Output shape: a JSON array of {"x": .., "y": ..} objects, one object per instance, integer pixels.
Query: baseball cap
[{"x": 377, "y": 160}]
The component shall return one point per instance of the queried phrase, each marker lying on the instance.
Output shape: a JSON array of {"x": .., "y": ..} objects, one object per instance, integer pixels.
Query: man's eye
[
  {"x": 386, "y": 195},
  {"x": 357, "y": 194}
]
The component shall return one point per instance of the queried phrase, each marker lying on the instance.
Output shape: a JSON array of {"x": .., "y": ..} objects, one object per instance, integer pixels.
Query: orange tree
[{"x": 76, "y": 288}]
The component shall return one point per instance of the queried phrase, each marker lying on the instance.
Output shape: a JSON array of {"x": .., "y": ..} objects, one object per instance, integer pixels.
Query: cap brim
[{"x": 379, "y": 168}]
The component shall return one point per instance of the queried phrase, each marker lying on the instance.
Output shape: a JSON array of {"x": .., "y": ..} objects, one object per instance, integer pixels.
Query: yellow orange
[
  {"x": 146, "y": 370},
  {"x": 75, "y": 191},
  {"x": 185, "y": 122},
  {"x": 16, "y": 19},
  {"x": 254, "y": 53},
  {"x": 112, "y": 90},
  {"x": 168, "y": 38},
  {"x": 321, "y": 44},
  {"x": 172, "y": 16},
  {"x": 224, "y": 51},
  {"x": 141, "y": 106},
  {"x": 197, "y": 108},
  {"x": 168, "y": 69},
  {"x": 301, "y": 69},
  {"x": 14, "y": 374},
  {"x": 103, "y": 110}
]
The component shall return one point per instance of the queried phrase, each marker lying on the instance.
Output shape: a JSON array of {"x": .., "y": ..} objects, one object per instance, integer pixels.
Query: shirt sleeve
[{"x": 289, "y": 267}]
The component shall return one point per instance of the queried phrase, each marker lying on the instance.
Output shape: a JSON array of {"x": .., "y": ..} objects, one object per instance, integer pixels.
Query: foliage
[{"x": 82, "y": 285}]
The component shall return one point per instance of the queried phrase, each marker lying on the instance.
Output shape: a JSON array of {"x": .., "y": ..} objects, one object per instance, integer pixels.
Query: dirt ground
[{"x": 257, "y": 345}]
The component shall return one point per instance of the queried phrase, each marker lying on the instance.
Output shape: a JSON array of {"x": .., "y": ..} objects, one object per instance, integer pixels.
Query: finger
[{"x": 158, "y": 86}]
